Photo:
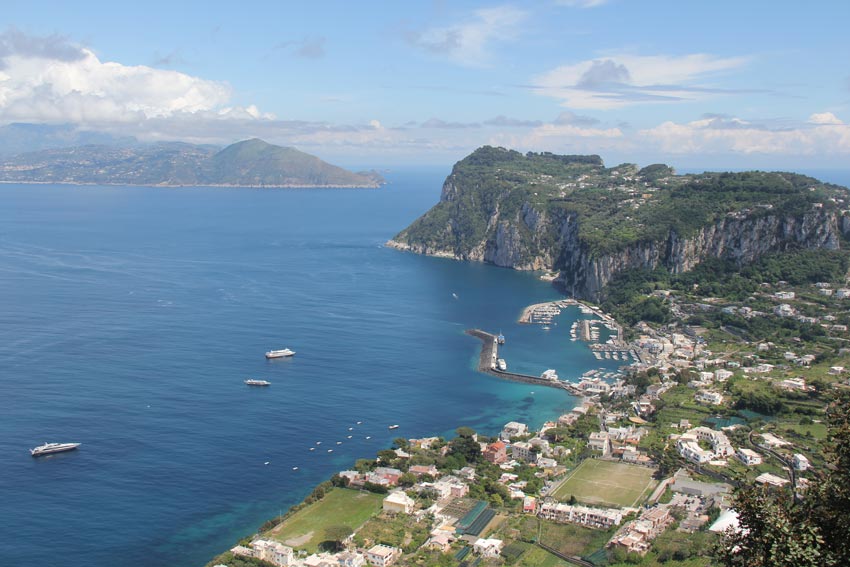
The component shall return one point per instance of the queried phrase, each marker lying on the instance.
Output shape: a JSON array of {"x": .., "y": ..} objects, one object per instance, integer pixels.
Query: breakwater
[{"x": 487, "y": 364}]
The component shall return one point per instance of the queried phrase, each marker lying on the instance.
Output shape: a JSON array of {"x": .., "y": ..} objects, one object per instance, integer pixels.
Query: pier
[{"x": 487, "y": 365}]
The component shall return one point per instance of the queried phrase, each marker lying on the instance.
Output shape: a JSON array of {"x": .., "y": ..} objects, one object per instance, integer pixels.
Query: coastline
[
  {"x": 274, "y": 524},
  {"x": 402, "y": 247},
  {"x": 201, "y": 186}
]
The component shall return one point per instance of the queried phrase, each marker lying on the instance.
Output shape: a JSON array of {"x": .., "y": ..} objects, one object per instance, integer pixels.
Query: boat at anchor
[
  {"x": 282, "y": 353},
  {"x": 51, "y": 448}
]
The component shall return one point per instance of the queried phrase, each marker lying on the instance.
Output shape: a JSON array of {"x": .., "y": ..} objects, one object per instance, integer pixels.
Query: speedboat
[{"x": 51, "y": 448}]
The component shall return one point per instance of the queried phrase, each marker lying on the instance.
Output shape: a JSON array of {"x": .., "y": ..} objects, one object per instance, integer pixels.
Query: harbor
[
  {"x": 603, "y": 335},
  {"x": 583, "y": 329},
  {"x": 487, "y": 363}
]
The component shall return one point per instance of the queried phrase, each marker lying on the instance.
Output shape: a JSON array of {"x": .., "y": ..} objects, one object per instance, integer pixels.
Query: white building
[
  {"x": 842, "y": 293},
  {"x": 801, "y": 463},
  {"x": 398, "y": 503},
  {"x": 487, "y": 547},
  {"x": 707, "y": 397},
  {"x": 721, "y": 374},
  {"x": 267, "y": 550},
  {"x": 771, "y": 479},
  {"x": 783, "y": 310},
  {"x": 689, "y": 448},
  {"x": 586, "y": 516},
  {"x": 793, "y": 384},
  {"x": 349, "y": 559},
  {"x": 513, "y": 429},
  {"x": 522, "y": 450},
  {"x": 382, "y": 555},
  {"x": 600, "y": 442},
  {"x": 748, "y": 457}
]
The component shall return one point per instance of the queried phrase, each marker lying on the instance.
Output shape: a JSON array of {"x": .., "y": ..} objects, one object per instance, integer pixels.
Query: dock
[{"x": 487, "y": 365}]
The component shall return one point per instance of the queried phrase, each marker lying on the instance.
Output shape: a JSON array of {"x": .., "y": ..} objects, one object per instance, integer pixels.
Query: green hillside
[{"x": 250, "y": 163}]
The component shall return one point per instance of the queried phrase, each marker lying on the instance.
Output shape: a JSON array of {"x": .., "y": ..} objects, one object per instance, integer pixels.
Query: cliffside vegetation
[
  {"x": 615, "y": 206},
  {"x": 629, "y": 297},
  {"x": 563, "y": 213}
]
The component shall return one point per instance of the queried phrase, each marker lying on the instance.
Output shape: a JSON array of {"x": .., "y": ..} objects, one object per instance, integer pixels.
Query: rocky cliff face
[
  {"x": 743, "y": 240},
  {"x": 588, "y": 223},
  {"x": 532, "y": 239}
]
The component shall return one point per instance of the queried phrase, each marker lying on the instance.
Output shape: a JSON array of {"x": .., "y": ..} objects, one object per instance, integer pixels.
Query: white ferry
[
  {"x": 501, "y": 364},
  {"x": 50, "y": 448},
  {"x": 252, "y": 382},
  {"x": 282, "y": 353}
]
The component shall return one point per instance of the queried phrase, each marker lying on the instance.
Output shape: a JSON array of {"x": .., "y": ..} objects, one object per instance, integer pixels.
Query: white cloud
[
  {"x": 716, "y": 136},
  {"x": 825, "y": 118},
  {"x": 582, "y": 3},
  {"x": 622, "y": 80},
  {"x": 468, "y": 43},
  {"x": 50, "y": 80}
]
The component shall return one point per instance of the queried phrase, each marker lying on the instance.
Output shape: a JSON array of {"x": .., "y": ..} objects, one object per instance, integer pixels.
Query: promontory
[{"x": 571, "y": 215}]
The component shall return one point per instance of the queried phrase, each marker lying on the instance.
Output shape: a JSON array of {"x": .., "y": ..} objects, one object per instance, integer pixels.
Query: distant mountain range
[{"x": 251, "y": 163}]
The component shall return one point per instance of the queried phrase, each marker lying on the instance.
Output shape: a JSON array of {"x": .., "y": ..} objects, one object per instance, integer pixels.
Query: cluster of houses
[
  {"x": 602, "y": 518},
  {"x": 689, "y": 447},
  {"x": 619, "y": 442},
  {"x": 636, "y": 536},
  {"x": 284, "y": 556},
  {"x": 509, "y": 449}
]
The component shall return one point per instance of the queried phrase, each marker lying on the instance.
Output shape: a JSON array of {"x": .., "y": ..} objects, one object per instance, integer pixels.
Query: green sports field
[
  {"x": 608, "y": 483},
  {"x": 306, "y": 528}
]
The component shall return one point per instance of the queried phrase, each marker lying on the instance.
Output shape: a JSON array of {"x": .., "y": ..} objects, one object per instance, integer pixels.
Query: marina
[
  {"x": 589, "y": 329},
  {"x": 487, "y": 363}
]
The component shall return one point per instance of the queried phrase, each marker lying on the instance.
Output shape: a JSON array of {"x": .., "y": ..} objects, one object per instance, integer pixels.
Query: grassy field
[
  {"x": 571, "y": 539},
  {"x": 306, "y": 528},
  {"x": 399, "y": 530},
  {"x": 605, "y": 482},
  {"x": 537, "y": 557}
]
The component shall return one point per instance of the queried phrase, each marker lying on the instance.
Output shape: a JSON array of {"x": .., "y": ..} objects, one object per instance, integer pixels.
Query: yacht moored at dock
[
  {"x": 282, "y": 353},
  {"x": 252, "y": 382},
  {"x": 50, "y": 448}
]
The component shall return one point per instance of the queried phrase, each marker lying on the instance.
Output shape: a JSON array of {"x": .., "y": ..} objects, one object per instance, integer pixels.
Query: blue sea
[{"x": 129, "y": 318}]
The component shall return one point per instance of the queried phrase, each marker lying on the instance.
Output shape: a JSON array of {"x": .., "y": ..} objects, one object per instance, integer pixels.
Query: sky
[{"x": 762, "y": 84}]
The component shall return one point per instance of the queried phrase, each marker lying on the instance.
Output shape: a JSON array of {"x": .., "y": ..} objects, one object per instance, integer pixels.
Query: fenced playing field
[{"x": 606, "y": 482}]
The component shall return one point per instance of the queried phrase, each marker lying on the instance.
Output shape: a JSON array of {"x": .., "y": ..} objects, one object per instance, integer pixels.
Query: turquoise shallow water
[{"x": 130, "y": 316}]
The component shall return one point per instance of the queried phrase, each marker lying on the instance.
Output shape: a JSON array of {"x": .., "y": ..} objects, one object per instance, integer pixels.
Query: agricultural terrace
[
  {"x": 607, "y": 483},
  {"x": 341, "y": 506}
]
